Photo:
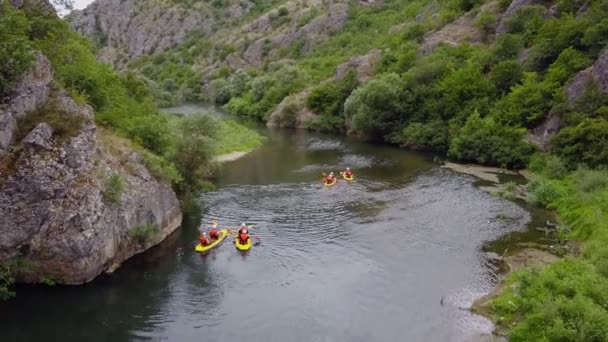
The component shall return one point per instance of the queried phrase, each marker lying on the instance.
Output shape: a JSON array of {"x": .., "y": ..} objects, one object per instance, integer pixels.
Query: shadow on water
[{"x": 363, "y": 260}]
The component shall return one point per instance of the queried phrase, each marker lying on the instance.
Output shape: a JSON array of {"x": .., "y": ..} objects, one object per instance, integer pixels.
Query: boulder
[{"x": 40, "y": 137}]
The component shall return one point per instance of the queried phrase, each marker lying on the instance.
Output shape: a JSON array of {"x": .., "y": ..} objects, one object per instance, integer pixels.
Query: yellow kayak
[
  {"x": 348, "y": 178},
  {"x": 241, "y": 247},
  {"x": 200, "y": 248},
  {"x": 332, "y": 183}
]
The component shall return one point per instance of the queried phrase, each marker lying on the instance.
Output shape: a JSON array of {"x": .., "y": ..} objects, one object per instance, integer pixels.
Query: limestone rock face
[
  {"x": 138, "y": 27},
  {"x": 53, "y": 211},
  {"x": 30, "y": 93},
  {"x": 597, "y": 73}
]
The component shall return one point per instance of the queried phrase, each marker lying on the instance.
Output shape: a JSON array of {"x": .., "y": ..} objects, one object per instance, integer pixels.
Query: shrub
[
  {"x": 484, "y": 141},
  {"x": 162, "y": 169},
  {"x": 567, "y": 64},
  {"x": 543, "y": 192},
  {"x": 223, "y": 91},
  {"x": 114, "y": 187},
  {"x": 555, "y": 167},
  {"x": 415, "y": 33},
  {"x": 144, "y": 233},
  {"x": 596, "y": 36},
  {"x": 15, "y": 49},
  {"x": 467, "y": 5},
  {"x": 585, "y": 143},
  {"x": 431, "y": 136},
  {"x": 376, "y": 107},
  {"x": 242, "y": 106},
  {"x": 527, "y": 104},
  {"x": 508, "y": 46},
  {"x": 506, "y": 74},
  {"x": 463, "y": 91},
  {"x": 486, "y": 23},
  {"x": 508, "y": 191},
  {"x": 526, "y": 20},
  {"x": 563, "y": 302}
]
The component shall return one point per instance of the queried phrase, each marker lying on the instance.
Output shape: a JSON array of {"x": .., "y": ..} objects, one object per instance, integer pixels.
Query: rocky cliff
[{"x": 75, "y": 201}]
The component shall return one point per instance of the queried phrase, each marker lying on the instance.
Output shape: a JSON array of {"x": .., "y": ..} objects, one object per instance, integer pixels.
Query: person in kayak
[
  {"x": 214, "y": 234},
  {"x": 243, "y": 237},
  {"x": 348, "y": 173},
  {"x": 330, "y": 178},
  {"x": 203, "y": 239},
  {"x": 243, "y": 228}
]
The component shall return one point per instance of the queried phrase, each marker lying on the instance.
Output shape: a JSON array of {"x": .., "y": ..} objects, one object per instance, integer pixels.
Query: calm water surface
[{"x": 368, "y": 260}]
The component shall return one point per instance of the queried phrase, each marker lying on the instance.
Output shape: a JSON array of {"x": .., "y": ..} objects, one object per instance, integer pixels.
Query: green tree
[
  {"x": 484, "y": 141},
  {"x": 506, "y": 74},
  {"x": 586, "y": 143},
  {"x": 376, "y": 108},
  {"x": 15, "y": 48}
]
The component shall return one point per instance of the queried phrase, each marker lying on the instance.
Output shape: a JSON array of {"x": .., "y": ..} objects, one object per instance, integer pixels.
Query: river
[{"x": 393, "y": 256}]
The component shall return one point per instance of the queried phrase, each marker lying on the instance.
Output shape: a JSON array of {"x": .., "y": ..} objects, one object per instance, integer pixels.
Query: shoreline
[
  {"x": 526, "y": 258},
  {"x": 232, "y": 156}
]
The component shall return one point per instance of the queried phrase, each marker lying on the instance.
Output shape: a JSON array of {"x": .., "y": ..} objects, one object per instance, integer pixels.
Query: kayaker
[
  {"x": 330, "y": 178},
  {"x": 213, "y": 233},
  {"x": 203, "y": 239},
  {"x": 348, "y": 173},
  {"x": 243, "y": 228},
  {"x": 243, "y": 237}
]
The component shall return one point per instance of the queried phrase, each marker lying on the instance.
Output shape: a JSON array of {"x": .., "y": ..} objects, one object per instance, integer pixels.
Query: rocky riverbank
[{"x": 75, "y": 201}]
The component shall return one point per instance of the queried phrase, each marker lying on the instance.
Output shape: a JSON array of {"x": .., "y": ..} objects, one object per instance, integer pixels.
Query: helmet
[
  {"x": 348, "y": 169},
  {"x": 243, "y": 224},
  {"x": 331, "y": 173}
]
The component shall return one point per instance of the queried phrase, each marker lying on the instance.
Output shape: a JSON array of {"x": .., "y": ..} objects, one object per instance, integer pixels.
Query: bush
[
  {"x": 505, "y": 75},
  {"x": 415, "y": 33},
  {"x": 484, "y": 141},
  {"x": 113, "y": 189},
  {"x": 144, "y": 233},
  {"x": 431, "y": 136},
  {"x": 486, "y": 23},
  {"x": 328, "y": 100},
  {"x": 467, "y": 5},
  {"x": 508, "y": 46},
  {"x": 563, "y": 302},
  {"x": 554, "y": 167},
  {"x": 223, "y": 91},
  {"x": 376, "y": 107},
  {"x": 463, "y": 91},
  {"x": 527, "y": 104},
  {"x": 585, "y": 143},
  {"x": 543, "y": 192},
  {"x": 527, "y": 20},
  {"x": 16, "y": 54}
]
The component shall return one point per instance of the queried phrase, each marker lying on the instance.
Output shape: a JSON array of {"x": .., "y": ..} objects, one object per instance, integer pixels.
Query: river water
[{"x": 393, "y": 256}]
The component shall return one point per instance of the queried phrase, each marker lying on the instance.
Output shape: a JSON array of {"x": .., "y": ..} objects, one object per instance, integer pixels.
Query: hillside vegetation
[
  {"x": 122, "y": 102},
  {"x": 485, "y": 82}
]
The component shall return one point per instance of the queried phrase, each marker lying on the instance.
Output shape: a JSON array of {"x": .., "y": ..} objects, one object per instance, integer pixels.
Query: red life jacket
[
  {"x": 349, "y": 174},
  {"x": 214, "y": 234},
  {"x": 204, "y": 241},
  {"x": 243, "y": 238},
  {"x": 330, "y": 179}
]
